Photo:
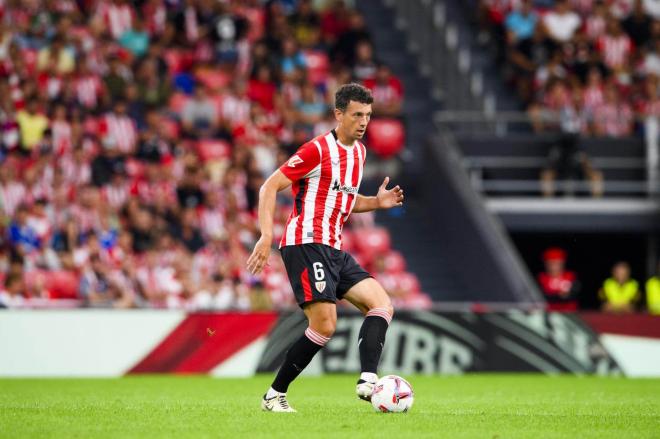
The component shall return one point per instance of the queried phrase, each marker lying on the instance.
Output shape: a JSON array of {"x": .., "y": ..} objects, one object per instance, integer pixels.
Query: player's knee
[
  {"x": 385, "y": 304},
  {"x": 324, "y": 324},
  {"x": 390, "y": 309},
  {"x": 326, "y": 327}
]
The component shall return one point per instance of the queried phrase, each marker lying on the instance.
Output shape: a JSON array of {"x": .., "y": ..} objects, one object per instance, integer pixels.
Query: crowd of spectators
[
  {"x": 595, "y": 62},
  {"x": 134, "y": 137}
]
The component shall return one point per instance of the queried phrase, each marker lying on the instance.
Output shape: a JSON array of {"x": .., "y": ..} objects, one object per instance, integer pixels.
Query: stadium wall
[{"x": 87, "y": 343}]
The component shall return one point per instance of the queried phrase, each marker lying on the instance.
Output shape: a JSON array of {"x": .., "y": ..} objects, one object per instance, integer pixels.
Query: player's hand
[
  {"x": 259, "y": 256},
  {"x": 388, "y": 198}
]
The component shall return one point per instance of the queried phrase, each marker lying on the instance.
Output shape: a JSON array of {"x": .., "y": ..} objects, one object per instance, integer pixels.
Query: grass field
[{"x": 474, "y": 406}]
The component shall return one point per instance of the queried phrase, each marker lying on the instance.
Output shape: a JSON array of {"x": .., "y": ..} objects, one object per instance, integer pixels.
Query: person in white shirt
[{"x": 561, "y": 23}]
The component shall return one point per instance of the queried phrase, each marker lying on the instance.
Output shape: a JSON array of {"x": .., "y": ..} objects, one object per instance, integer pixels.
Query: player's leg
[
  {"x": 322, "y": 318},
  {"x": 370, "y": 298},
  {"x": 313, "y": 279}
]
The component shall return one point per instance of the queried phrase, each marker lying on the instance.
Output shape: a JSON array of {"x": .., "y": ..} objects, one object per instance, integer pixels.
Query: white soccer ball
[{"x": 392, "y": 394}]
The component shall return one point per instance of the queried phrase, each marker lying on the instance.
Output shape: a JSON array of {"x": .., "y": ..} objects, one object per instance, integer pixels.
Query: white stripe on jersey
[
  {"x": 308, "y": 210},
  {"x": 348, "y": 181},
  {"x": 361, "y": 161},
  {"x": 332, "y": 195}
]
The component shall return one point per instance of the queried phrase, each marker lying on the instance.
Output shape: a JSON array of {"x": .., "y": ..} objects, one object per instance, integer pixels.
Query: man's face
[
  {"x": 554, "y": 266},
  {"x": 355, "y": 119}
]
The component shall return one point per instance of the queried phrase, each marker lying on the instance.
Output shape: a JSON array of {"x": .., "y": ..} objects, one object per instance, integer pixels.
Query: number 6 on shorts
[{"x": 319, "y": 274}]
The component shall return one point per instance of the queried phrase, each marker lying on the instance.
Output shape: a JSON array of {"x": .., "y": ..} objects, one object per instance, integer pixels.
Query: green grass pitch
[{"x": 472, "y": 406}]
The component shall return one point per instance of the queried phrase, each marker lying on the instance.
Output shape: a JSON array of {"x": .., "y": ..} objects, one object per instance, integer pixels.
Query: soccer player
[{"x": 326, "y": 173}]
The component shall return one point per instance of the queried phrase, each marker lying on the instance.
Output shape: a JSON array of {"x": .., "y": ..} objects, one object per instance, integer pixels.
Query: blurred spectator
[
  {"x": 613, "y": 117},
  {"x": 615, "y": 46},
  {"x": 22, "y": 235},
  {"x": 334, "y": 22},
  {"x": 13, "y": 295},
  {"x": 56, "y": 57},
  {"x": 135, "y": 39},
  {"x": 311, "y": 108},
  {"x": 521, "y": 24},
  {"x": 561, "y": 23},
  {"x": 567, "y": 161},
  {"x": 32, "y": 124},
  {"x": 387, "y": 92},
  {"x": 292, "y": 58},
  {"x": 653, "y": 293},
  {"x": 638, "y": 24},
  {"x": 364, "y": 66},
  {"x": 200, "y": 116},
  {"x": 344, "y": 52},
  {"x": 560, "y": 286},
  {"x": 135, "y": 137},
  {"x": 119, "y": 129},
  {"x": 305, "y": 24},
  {"x": 619, "y": 293}
]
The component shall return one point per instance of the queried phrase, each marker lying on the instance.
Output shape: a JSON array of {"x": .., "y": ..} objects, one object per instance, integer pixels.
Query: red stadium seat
[
  {"x": 395, "y": 262},
  {"x": 212, "y": 149},
  {"x": 386, "y": 137},
  {"x": 318, "y": 65},
  {"x": 373, "y": 240},
  {"x": 61, "y": 284},
  {"x": 408, "y": 282}
]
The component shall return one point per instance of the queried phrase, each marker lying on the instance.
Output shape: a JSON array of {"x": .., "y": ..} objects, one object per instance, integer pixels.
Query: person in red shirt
[
  {"x": 559, "y": 285},
  {"x": 387, "y": 91}
]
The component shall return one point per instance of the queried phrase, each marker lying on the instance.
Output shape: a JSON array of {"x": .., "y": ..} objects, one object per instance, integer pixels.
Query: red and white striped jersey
[
  {"x": 615, "y": 49},
  {"x": 326, "y": 176}
]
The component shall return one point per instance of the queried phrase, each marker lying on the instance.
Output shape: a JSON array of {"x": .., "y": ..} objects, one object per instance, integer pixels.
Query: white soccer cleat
[
  {"x": 365, "y": 386},
  {"x": 277, "y": 403}
]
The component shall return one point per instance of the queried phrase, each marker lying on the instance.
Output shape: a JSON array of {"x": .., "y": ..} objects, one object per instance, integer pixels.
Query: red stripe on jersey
[
  {"x": 307, "y": 289},
  {"x": 301, "y": 214},
  {"x": 324, "y": 188},
  {"x": 340, "y": 196},
  {"x": 354, "y": 182}
]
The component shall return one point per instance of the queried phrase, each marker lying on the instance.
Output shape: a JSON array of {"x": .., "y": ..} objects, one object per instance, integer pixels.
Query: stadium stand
[
  {"x": 135, "y": 136},
  {"x": 556, "y": 127}
]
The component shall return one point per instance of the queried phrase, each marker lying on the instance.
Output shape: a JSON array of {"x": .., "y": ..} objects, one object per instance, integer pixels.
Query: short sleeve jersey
[{"x": 326, "y": 177}]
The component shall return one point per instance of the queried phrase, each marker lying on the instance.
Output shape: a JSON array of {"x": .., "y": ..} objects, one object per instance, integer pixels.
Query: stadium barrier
[{"x": 114, "y": 343}]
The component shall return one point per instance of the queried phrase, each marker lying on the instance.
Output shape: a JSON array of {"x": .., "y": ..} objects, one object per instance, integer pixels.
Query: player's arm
[
  {"x": 266, "y": 211},
  {"x": 384, "y": 199},
  {"x": 307, "y": 158}
]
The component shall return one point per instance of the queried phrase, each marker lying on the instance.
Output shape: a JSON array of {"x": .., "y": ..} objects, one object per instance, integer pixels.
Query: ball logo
[{"x": 295, "y": 160}]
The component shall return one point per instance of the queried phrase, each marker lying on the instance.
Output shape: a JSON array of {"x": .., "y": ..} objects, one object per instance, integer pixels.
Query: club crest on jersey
[
  {"x": 320, "y": 286},
  {"x": 343, "y": 188},
  {"x": 295, "y": 160}
]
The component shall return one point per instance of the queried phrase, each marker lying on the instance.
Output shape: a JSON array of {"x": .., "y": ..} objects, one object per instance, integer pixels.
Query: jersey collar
[{"x": 348, "y": 148}]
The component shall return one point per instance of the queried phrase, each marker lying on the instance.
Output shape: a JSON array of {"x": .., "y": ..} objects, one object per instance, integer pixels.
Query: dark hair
[{"x": 352, "y": 92}]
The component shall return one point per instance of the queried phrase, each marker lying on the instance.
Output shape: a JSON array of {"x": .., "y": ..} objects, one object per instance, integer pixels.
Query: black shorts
[{"x": 318, "y": 272}]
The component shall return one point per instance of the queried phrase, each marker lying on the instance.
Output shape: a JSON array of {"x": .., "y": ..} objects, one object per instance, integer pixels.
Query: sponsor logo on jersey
[
  {"x": 295, "y": 160},
  {"x": 343, "y": 188},
  {"x": 320, "y": 286}
]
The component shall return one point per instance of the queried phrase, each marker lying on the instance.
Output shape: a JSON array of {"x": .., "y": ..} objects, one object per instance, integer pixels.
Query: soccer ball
[{"x": 392, "y": 394}]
